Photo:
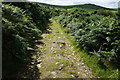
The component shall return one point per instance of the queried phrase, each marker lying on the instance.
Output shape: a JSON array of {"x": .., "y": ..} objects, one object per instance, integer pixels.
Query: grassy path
[{"x": 58, "y": 58}]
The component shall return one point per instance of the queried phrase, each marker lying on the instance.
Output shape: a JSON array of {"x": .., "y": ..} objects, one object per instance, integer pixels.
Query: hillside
[
  {"x": 88, "y": 6},
  {"x": 42, "y": 41}
]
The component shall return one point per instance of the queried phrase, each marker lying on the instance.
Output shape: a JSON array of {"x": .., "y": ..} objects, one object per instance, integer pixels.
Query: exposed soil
[{"x": 57, "y": 58}]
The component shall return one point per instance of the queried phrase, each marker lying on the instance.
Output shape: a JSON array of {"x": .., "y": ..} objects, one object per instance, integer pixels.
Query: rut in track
[{"x": 57, "y": 58}]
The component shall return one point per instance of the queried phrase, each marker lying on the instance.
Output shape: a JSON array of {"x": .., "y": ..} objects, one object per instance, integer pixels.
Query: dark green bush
[
  {"x": 22, "y": 26},
  {"x": 97, "y": 34},
  {"x": 105, "y": 12}
]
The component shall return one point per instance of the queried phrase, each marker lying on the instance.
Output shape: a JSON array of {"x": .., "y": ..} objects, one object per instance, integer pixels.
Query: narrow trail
[{"x": 57, "y": 58}]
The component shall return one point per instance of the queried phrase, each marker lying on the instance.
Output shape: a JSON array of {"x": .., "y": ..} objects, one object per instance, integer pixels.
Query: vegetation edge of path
[{"x": 91, "y": 61}]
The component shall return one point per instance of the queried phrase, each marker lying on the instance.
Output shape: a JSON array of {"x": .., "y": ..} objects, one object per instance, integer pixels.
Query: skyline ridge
[{"x": 104, "y": 3}]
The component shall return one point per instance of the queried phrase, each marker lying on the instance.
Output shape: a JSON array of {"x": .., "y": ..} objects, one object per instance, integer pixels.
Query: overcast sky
[{"x": 104, "y": 3}]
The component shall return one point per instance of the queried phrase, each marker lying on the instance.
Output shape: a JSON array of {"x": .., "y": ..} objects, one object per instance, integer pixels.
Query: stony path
[{"x": 57, "y": 58}]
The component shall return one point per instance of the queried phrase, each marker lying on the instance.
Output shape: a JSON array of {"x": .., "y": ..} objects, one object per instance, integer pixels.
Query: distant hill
[
  {"x": 91, "y": 6},
  {"x": 88, "y": 6}
]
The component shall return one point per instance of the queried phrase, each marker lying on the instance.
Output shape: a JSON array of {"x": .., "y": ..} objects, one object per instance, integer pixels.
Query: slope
[{"x": 84, "y": 6}]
